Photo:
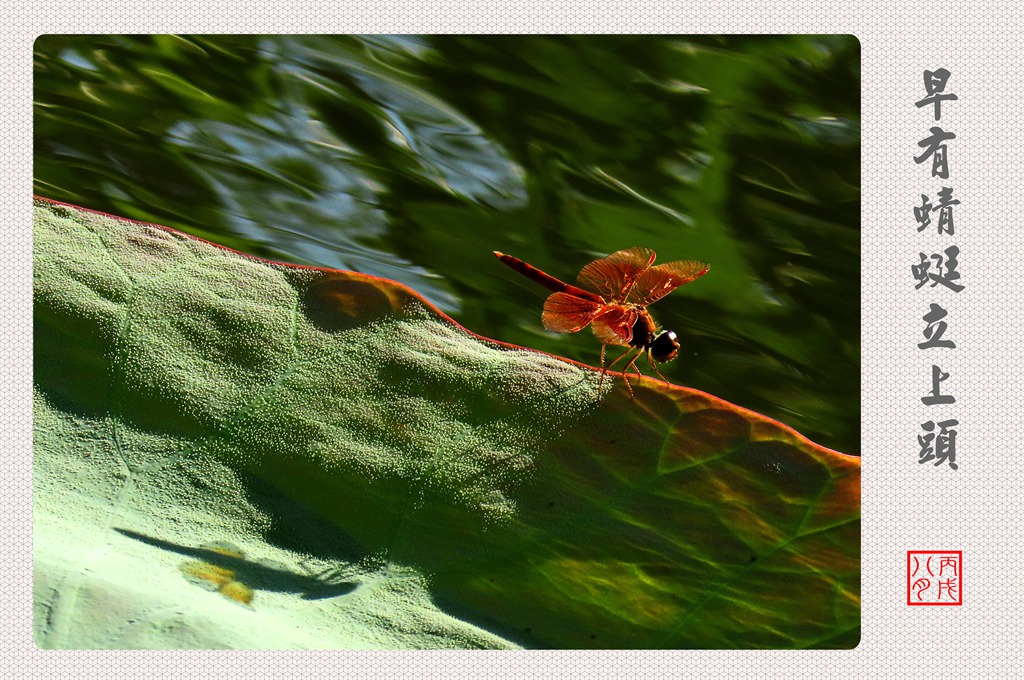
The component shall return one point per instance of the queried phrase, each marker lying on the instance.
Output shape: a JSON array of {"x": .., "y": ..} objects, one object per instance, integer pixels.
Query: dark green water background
[{"x": 413, "y": 158}]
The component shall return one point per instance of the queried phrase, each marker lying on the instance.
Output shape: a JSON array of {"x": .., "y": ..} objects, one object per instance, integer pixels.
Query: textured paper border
[{"x": 906, "y": 506}]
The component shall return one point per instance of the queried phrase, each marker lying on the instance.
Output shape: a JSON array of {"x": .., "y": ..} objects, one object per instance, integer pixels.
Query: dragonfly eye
[{"x": 664, "y": 347}]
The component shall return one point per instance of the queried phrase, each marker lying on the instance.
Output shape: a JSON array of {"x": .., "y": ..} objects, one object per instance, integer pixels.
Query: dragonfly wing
[
  {"x": 614, "y": 325},
  {"x": 657, "y": 282},
  {"x": 564, "y": 313},
  {"x": 612, "y": 276}
]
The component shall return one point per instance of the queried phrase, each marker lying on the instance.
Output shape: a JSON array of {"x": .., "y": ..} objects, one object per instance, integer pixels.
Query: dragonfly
[{"x": 611, "y": 295}]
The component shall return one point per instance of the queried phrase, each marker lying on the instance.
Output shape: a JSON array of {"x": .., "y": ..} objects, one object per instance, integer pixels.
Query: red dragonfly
[{"x": 612, "y": 295}]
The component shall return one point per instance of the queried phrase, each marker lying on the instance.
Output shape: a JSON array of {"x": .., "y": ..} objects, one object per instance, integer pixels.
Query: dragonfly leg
[
  {"x": 654, "y": 365},
  {"x": 632, "y": 362},
  {"x": 604, "y": 369}
]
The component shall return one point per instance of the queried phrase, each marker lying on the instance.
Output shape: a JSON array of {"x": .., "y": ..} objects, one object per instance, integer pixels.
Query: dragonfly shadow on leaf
[{"x": 224, "y": 559}]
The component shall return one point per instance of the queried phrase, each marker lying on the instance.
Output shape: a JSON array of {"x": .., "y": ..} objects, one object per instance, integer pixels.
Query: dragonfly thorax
[{"x": 643, "y": 329}]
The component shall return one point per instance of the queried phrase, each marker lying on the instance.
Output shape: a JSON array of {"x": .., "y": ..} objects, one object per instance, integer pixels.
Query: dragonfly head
[{"x": 664, "y": 347}]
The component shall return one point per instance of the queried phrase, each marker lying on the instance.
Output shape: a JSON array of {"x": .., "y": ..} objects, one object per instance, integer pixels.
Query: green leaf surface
[{"x": 231, "y": 452}]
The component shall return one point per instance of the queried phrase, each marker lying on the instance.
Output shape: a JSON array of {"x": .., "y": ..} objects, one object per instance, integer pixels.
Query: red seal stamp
[{"x": 935, "y": 577}]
